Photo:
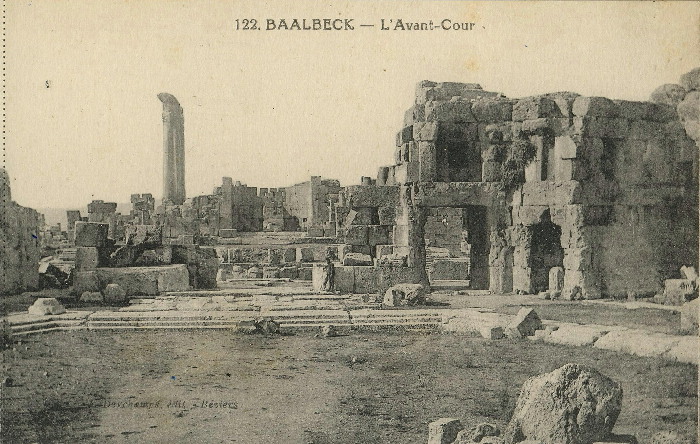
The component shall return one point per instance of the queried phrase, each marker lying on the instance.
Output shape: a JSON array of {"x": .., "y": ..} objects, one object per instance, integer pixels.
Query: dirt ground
[{"x": 219, "y": 386}]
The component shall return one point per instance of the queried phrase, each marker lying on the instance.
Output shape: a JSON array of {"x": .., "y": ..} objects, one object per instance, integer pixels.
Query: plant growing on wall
[{"x": 522, "y": 152}]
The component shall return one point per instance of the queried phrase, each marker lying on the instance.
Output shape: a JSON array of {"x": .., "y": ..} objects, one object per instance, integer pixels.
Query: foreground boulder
[
  {"x": 404, "y": 294},
  {"x": 46, "y": 306},
  {"x": 573, "y": 404}
]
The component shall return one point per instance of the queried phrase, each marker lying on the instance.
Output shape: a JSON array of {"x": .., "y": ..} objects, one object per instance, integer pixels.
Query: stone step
[{"x": 39, "y": 325}]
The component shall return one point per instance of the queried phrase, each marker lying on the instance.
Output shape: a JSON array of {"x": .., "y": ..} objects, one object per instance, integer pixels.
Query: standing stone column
[{"x": 173, "y": 150}]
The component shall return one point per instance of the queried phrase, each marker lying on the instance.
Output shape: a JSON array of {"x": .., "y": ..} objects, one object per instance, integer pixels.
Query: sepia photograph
[{"x": 441, "y": 222}]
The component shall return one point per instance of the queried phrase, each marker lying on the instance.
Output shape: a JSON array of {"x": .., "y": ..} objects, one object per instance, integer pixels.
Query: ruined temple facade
[{"x": 584, "y": 195}]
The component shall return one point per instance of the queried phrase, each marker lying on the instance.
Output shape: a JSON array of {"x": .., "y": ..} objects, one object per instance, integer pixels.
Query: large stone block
[
  {"x": 404, "y": 294},
  {"x": 304, "y": 254},
  {"x": 91, "y": 234},
  {"x": 452, "y": 111},
  {"x": 404, "y": 136},
  {"x": 534, "y": 108},
  {"x": 86, "y": 281},
  {"x": 114, "y": 294},
  {"x": 46, "y": 306},
  {"x": 416, "y": 113},
  {"x": 366, "y": 280},
  {"x": 492, "y": 110},
  {"x": 426, "y": 132},
  {"x": 87, "y": 258},
  {"x": 444, "y": 431},
  {"x": 357, "y": 259},
  {"x": 524, "y": 324},
  {"x": 609, "y": 127},
  {"x": 345, "y": 279},
  {"x": 668, "y": 94},
  {"x": 378, "y": 235},
  {"x": 449, "y": 269},
  {"x": 556, "y": 279},
  {"x": 356, "y": 235},
  {"x": 427, "y": 154},
  {"x": 573, "y": 404},
  {"x": 594, "y": 107}
]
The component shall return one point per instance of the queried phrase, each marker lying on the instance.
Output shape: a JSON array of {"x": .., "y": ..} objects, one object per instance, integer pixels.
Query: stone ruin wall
[
  {"x": 617, "y": 178},
  {"x": 19, "y": 243}
]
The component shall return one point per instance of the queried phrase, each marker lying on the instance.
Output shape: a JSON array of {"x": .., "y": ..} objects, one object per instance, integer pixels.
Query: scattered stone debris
[
  {"x": 329, "y": 331},
  {"x": 493, "y": 332},
  {"x": 46, "y": 306},
  {"x": 267, "y": 326},
  {"x": 573, "y": 404},
  {"x": 91, "y": 297},
  {"x": 114, "y": 293},
  {"x": 444, "y": 430},
  {"x": 51, "y": 276},
  {"x": 524, "y": 324},
  {"x": 404, "y": 294}
]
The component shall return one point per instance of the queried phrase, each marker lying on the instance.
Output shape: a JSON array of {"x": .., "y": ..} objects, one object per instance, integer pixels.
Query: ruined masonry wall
[
  {"x": 19, "y": 243},
  {"x": 619, "y": 178}
]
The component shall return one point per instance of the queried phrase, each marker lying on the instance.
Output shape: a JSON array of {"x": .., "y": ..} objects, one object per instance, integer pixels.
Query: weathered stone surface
[
  {"x": 689, "y": 316},
  {"x": 492, "y": 332},
  {"x": 481, "y": 431},
  {"x": 689, "y": 273},
  {"x": 271, "y": 272},
  {"x": 404, "y": 294},
  {"x": 114, "y": 293},
  {"x": 87, "y": 258},
  {"x": 91, "y": 297},
  {"x": 638, "y": 342},
  {"x": 378, "y": 235},
  {"x": 594, "y": 107},
  {"x": 556, "y": 279},
  {"x": 668, "y": 94},
  {"x": 678, "y": 291},
  {"x": 304, "y": 255},
  {"x": 91, "y": 234},
  {"x": 452, "y": 111},
  {"x": 524, "y": 324},
  {"x": 86, "y": 281},
  {"x": 688, "y": 114},
  {"x": 575, "y": 335},
  {"x": 691, "y": 80},
  {"x": 356, "y": 235},
  {"x": 444, "y": 430},
  {"x": 46, "y": 306},
  {"x": 357, "y": 259},
  {"x": 573, "y": 404},
  {"x": 149, "y": 236},
  {"x": 534, "y": 107}
]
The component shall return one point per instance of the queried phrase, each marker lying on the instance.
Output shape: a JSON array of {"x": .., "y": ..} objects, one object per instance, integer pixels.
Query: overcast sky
[{"x": 272, "y": 108}]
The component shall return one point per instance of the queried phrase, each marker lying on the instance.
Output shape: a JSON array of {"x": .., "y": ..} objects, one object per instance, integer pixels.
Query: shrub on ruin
[{"x": 522, "y": 152}]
